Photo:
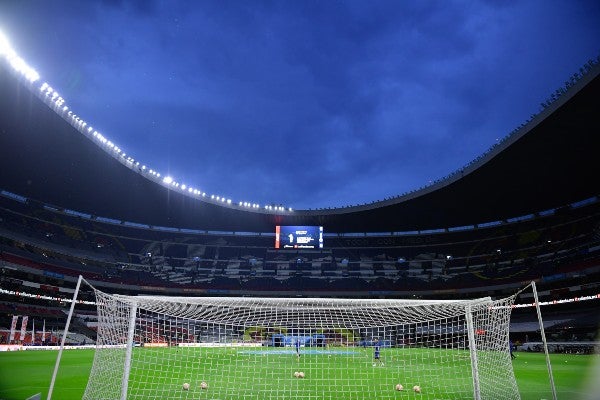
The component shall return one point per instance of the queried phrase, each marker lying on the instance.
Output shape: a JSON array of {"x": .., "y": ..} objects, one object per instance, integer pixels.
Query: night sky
[{"x": 307, "y": 104}]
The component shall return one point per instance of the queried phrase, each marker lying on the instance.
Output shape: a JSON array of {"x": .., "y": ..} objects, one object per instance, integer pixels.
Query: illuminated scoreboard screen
[{"x": 298, "y": 237}]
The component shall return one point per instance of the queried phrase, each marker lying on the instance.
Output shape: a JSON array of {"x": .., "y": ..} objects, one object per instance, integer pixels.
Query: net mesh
[{"x": 268, "y": 348}]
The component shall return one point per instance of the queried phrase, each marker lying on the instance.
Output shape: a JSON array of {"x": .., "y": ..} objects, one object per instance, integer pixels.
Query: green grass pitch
[{"x": 25, "y": 373}]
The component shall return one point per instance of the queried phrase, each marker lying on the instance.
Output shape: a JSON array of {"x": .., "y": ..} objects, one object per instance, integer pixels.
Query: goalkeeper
[
  {"x": 298, "y": 347},
  {"x": 377, "y": 353}
]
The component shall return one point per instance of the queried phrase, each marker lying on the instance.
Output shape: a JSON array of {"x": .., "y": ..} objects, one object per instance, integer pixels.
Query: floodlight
[
  {"x": 183, "y": 187},
  {"x": 167, "y": 179}
]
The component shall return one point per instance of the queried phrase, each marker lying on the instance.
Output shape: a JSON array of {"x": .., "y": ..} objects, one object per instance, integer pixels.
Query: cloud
[{"x": 305, "y": 103}]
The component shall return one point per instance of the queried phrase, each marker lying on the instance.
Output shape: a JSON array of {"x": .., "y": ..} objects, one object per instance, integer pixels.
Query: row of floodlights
[
  {"x": 17, "y": 62},
  {"x": 51, "y": 96}
]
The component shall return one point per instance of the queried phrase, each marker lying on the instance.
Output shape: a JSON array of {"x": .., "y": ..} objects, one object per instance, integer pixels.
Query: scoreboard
[{"x": 298, "y": 237}]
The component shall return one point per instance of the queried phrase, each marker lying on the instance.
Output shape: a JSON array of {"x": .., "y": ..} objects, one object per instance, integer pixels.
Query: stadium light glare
[
  {"x": 5, "y": 47},
  {"x": 167, "y": 180},
  {"x": 43, "y": 87},
  {"x": 15, "y": 61},
  {"x": 183, "y": 187}
]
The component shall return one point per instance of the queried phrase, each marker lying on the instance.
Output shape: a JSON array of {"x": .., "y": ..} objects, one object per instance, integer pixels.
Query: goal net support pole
[
  {"x": 541, "y": 323},
  {"x": 473, "y": 353},
  {"x": 129, "y": 349},
  {"x": 64, "y": 337}
]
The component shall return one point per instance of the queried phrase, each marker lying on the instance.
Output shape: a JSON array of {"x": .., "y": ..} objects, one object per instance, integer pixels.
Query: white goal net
[{"x": 152, "y": 347}]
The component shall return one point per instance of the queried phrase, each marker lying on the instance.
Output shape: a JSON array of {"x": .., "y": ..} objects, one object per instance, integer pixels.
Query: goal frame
[{"x": 136, "y": 303}]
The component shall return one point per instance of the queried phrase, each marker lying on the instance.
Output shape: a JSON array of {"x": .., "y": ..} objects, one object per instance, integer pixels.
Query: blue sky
[{"x": 308, "y": 104}]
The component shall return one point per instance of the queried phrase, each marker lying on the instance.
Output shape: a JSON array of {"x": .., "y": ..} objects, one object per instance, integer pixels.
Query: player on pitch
[
  {"x": 298, "y": 347},
  {"x": 377, "y": 353}
]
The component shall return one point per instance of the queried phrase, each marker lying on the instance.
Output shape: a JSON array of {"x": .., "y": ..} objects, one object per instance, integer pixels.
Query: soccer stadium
[{"x": 117, "y": 282}]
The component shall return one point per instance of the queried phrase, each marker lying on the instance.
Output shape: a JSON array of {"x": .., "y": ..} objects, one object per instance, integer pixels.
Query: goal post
[{"x": 300, "y": 348}]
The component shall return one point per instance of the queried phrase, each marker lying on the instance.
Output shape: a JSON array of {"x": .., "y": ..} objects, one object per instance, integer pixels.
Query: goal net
[{"x": 301, "y": 348}]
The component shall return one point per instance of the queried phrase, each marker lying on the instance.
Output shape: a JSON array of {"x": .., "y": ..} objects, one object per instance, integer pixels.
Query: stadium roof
[{"x": 548, "y": 163}]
